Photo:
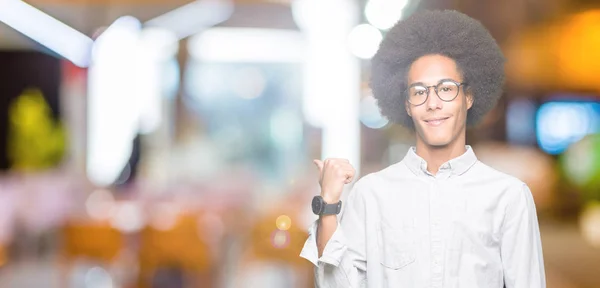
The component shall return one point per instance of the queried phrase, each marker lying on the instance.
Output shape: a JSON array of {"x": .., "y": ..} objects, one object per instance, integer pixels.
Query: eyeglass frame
[{"x": 458, "y": 85}]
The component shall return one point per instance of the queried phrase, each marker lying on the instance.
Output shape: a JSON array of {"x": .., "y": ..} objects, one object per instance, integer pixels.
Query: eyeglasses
[{"x": 446, "y": 90}]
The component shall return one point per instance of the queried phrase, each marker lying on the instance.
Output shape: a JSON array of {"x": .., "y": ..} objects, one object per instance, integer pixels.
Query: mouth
[{"x": 436, "y": 121}]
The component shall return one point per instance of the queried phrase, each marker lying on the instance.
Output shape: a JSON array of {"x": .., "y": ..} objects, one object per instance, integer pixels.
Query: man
[{"x": 439, "y": 217}]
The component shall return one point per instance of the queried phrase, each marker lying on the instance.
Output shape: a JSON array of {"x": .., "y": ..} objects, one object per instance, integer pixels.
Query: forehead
[{"x": 430, "y": 69}]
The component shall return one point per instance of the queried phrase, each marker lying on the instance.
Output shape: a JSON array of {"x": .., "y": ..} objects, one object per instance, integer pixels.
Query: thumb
[{"x": 319, "y": 164}]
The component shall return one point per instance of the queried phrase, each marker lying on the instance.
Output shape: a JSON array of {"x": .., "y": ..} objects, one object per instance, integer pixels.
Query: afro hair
[{"x": 439, "y": 32}]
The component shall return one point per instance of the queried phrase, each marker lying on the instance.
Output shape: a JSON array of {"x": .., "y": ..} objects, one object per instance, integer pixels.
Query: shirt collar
[{"x": 457, "y": 166}]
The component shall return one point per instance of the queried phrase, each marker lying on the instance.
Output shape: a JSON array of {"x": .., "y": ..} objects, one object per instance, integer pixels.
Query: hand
[{"x": 334, "y": 173}]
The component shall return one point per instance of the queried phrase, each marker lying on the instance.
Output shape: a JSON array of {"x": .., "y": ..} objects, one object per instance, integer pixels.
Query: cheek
[{"x": 460, "y": 113}]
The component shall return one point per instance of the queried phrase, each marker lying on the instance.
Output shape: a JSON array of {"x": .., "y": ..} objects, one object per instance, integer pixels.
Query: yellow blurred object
[
  {"x": 179, "y": 246},
  {"x": 35, "y": 141},
  {"x": 95, "y": 240},
  {"x": 578, "y": 45},
  {"x": 564, "y": 54}
]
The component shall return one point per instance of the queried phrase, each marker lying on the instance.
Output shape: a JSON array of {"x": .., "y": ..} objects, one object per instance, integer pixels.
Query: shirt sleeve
[
  {"x": 343, "y": 263},
  {"x": 521, "y": 246}
]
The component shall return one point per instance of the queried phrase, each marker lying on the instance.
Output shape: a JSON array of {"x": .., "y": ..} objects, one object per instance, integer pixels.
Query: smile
[{"x": 436, "y": 121}]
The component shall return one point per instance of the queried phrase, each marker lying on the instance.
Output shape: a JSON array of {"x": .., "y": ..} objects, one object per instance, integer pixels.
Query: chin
[
  {"x": 438, "y": 144},
  {"x": 437, "y": 141},
  {"x": 434, "y": 137}
]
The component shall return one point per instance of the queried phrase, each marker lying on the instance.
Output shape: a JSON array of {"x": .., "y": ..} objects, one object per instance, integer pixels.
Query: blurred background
[{"x": 169, "y": 143}]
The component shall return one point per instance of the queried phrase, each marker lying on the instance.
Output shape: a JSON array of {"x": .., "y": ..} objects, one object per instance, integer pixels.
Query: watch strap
[{"x": 332, "y": 209}]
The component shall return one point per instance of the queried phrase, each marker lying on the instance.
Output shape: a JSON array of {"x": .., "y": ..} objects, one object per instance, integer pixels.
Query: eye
[
  {"x": 418, "y": 91},
  {"x": 447, "y": 87}
]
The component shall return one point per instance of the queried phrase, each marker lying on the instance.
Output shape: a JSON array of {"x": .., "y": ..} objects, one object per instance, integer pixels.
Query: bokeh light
[
  {"x": 559, "y": 124},
  {"x": 581, "y": 163},
  {"x": 128, "y": 217},
  {"x": 283, "y": 222},
  {"x": 280, "y": 239},
  {"x": 97, "y": 277},
  {"x": 590, "y": 223},
  {"x": 100, "y": 205},
  {"x": 383, "y": 14},
  {"x": 364, "y": 41},
  {"x": 370, "y": 115}
]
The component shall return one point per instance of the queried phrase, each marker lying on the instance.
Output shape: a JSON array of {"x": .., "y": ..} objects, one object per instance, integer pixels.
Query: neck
[{"x": 436, "y": 156}]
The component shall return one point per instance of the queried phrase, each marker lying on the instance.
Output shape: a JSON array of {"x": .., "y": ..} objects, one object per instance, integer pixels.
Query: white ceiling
[
  {"x": 83, "y": 18},
  {"x": 88, "y": 19}
]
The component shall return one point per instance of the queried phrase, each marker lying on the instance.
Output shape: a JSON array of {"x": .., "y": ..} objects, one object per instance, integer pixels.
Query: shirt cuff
[{"x": 334, "y": 250}]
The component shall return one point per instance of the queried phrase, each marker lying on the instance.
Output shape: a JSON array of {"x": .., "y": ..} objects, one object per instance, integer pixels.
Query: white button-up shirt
[{"x": 466, "y": 226}]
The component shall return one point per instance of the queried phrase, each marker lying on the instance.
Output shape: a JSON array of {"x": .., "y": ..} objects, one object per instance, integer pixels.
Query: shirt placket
[{"x": 437, "y": 241}]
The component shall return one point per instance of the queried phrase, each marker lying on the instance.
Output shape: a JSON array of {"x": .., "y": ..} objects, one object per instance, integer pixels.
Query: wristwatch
[{"x": 320, "y": 207}]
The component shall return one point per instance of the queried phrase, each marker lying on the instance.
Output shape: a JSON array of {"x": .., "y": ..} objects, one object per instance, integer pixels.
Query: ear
[
  {"x": 407, "y": 107},
  {"x": 470, "y": 100}
]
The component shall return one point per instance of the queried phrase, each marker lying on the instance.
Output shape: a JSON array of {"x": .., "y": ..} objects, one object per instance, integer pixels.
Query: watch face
[{"x": 317, "y": 205}]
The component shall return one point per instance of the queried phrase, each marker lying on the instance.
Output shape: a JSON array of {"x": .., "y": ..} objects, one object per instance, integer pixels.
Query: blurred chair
[
  {"x": 93, "y": 241},
  {"x": 175, "y": 254},
  {"x": 96, "y": 240}
]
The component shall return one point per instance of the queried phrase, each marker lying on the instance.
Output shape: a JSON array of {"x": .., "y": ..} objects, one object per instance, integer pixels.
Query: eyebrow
[{"x": 438, "y": 82}]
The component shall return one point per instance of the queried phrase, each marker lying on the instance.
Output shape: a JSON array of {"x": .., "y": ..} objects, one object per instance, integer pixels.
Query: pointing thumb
[{"x": 319, "y": 164}]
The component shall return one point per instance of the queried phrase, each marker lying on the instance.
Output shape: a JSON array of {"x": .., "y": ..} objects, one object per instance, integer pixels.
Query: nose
[{"x": 433, "y": 101}]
